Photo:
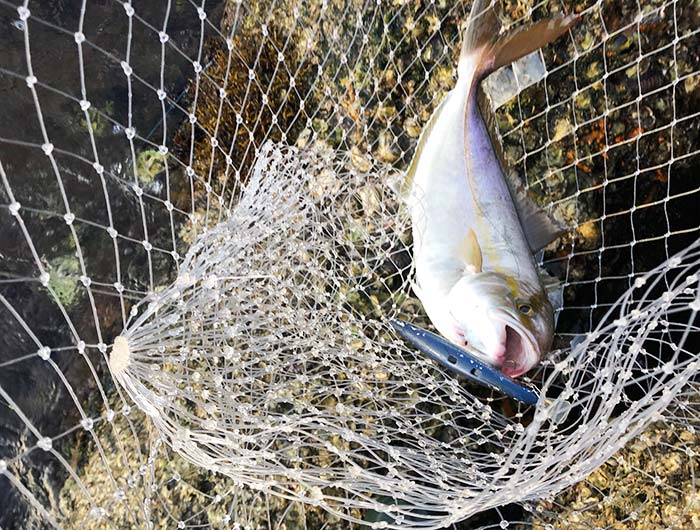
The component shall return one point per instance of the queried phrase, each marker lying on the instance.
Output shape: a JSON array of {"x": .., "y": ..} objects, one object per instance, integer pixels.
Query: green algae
[
  {"x": 64, "y": 278},
  {"x": 99, "y": 123},
  {"x": 149, "y": 163}
]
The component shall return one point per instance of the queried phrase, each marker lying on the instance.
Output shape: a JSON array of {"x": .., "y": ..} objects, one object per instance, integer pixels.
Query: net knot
[{"x": 120, "y": 358}]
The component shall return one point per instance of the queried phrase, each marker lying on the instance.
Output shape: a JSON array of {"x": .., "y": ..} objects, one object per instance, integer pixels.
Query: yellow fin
[{"x": 470, "y": 252}]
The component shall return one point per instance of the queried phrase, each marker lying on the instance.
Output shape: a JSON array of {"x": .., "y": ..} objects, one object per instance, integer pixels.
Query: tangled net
[
  {"x": 226, "y": 255},
  {"x": 254, "y": 364}
]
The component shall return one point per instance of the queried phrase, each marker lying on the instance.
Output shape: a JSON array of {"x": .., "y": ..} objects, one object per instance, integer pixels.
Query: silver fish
[{"x": 473, "y": 237}]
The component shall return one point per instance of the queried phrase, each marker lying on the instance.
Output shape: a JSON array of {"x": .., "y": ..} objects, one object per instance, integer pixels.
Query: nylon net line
[{"x": 202, "y": 245}]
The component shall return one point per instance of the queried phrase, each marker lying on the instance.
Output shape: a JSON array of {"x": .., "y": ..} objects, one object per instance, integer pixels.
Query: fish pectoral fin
[
  {"x": 470, "y": 252},
  {"x": 539, "y": 227},
  {"x": 524, "y": 40},
  {"x": 554, "y": 290}
]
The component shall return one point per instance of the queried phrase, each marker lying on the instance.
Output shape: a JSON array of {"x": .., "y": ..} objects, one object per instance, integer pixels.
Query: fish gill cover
[{"x": 201, "y": 249}]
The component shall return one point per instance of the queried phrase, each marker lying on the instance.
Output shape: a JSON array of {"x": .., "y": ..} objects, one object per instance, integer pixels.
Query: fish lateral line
[{"x": 485, "y": 49}]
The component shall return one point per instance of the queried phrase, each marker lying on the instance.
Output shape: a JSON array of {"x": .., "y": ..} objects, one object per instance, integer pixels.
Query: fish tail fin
[
  {"x": 483, "y": 25},
  {"x": 485, "y": 48}
]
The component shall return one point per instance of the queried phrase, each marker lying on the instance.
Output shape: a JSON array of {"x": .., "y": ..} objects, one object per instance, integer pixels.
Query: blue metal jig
[{"x": 463, "y": 362}]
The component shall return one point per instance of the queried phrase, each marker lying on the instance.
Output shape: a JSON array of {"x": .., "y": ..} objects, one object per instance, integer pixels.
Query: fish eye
[{"x": 525, "y": 309}]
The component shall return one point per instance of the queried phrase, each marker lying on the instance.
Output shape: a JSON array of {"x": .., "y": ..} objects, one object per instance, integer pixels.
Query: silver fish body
[{"x": 475, "y": 271}]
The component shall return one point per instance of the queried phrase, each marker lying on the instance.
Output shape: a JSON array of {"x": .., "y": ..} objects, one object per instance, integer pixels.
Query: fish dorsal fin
[
  {"x": 404, "y": 187},
  {"x": 539, "y": 227},
  {"x": 470, "y": 252}
]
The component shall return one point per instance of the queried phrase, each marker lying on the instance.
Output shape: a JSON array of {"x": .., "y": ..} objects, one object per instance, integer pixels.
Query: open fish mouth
[
  {"x": 515, "y": 354},
  {"x": 520, "y": 352}
]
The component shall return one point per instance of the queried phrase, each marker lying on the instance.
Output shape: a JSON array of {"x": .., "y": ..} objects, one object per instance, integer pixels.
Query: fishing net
[{"x": 202, "y": 246}]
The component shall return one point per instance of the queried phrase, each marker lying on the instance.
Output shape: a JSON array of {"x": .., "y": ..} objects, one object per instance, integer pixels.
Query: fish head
[{"x": 506, "y": 323}]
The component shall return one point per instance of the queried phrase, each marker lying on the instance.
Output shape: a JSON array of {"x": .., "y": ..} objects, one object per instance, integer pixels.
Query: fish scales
[{"x": 475, "y": 271}]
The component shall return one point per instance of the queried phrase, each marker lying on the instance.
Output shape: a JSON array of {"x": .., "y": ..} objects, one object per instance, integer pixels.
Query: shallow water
[
  {"x": 33, "y": 384},
  {"x": 36, "y": 388}
]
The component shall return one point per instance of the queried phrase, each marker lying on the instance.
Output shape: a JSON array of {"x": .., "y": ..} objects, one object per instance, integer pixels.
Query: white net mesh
[{"x": 214, "y": 183}]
